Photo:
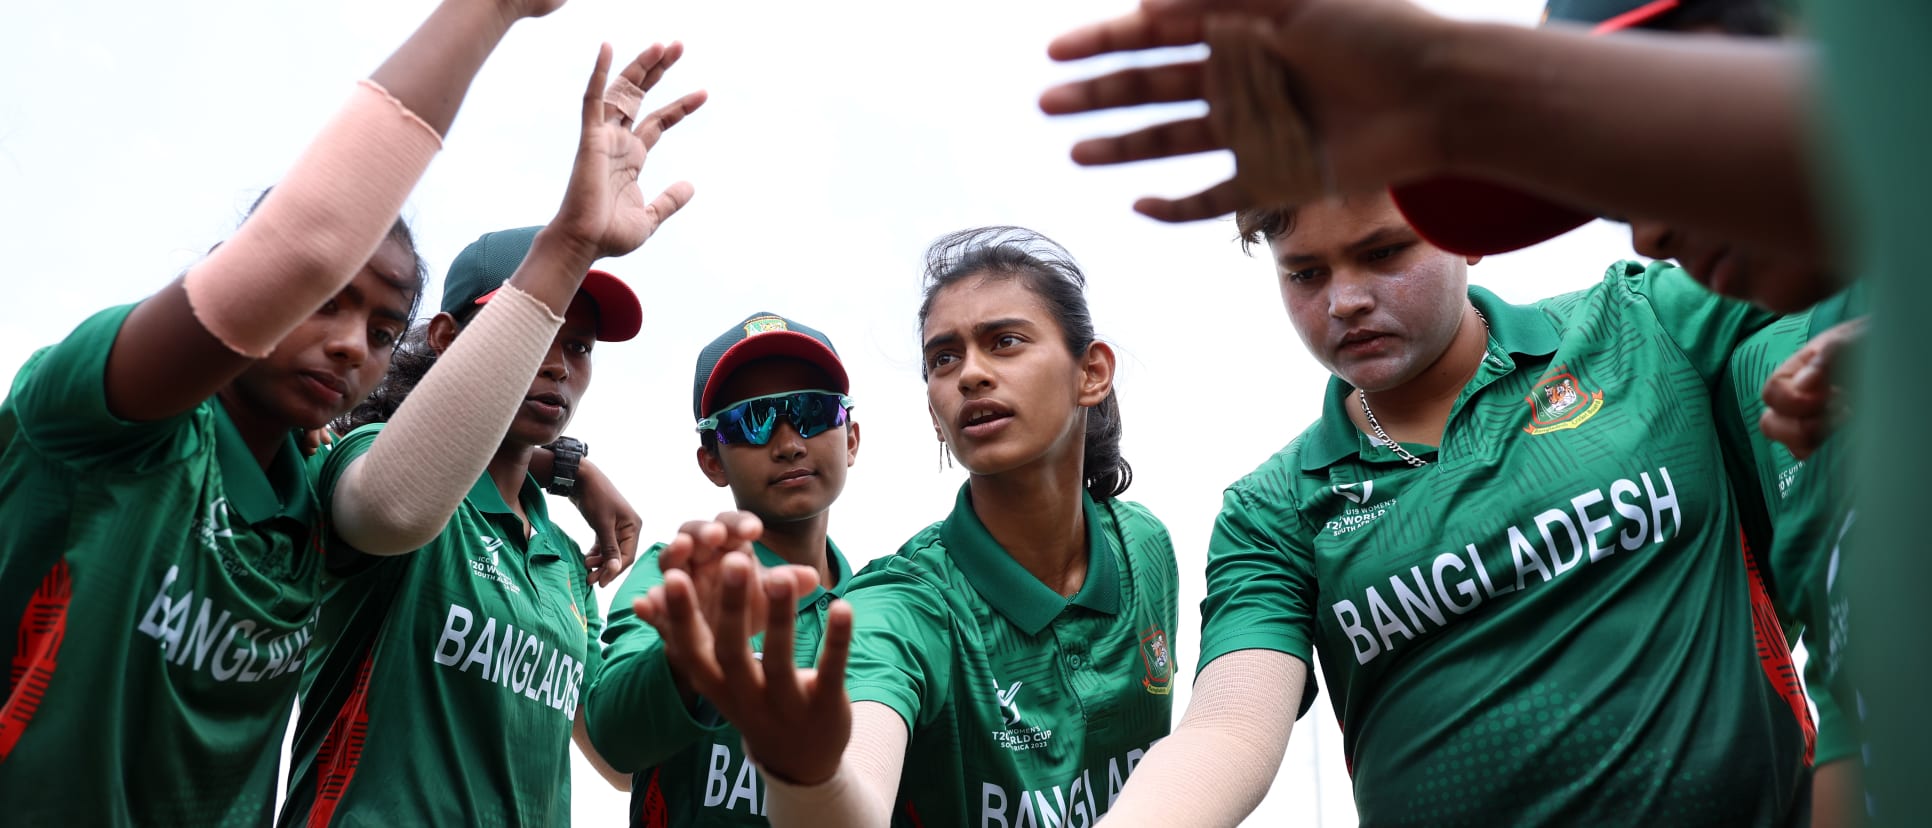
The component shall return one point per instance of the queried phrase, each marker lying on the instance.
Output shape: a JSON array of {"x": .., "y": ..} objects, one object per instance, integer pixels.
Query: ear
[
  {"x": 851, "y": 443},
  {"x": 1096, "y": 374},
  {"x": 937, "y": 432},
  {"x": 442, "y": 332},
  {"x": 711, "y": 462}
]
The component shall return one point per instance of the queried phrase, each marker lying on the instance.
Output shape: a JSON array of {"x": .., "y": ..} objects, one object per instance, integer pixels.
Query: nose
[
  {"x": 786, "y": 445},
  {"x": 1653, "y": 239},
  {"x": 554, "y": 367},
  {"x": 1349, "y": 295},
  {"x": 348, "y": 340},
  {"x": 973, "y": 372}
]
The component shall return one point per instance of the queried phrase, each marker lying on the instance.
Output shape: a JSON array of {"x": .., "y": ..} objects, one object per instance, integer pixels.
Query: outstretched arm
[{"x": 316, "y": 228}]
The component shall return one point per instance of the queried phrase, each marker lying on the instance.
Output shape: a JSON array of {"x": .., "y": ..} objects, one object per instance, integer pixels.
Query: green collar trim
[
  {"x": 256, "y": 494},
  {"x": 1013, "y": 591},
  {"x": 833, "y": 559},
  {"x": 485, "y": 498},
  {"x": 1518, "y": 329}
]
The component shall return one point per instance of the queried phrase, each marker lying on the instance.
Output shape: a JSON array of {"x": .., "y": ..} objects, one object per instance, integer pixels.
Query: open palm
[{"x": 603, "y": 207}]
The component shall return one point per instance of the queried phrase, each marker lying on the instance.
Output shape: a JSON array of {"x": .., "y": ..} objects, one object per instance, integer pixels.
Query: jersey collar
[
  {"x": 1519, "y": 329},
  {"x": 834, "y": 560},
  {"x": 1012, "y": 590},
  {"x": 256, "y": 494},
  {"x": 486, "y": 499}
]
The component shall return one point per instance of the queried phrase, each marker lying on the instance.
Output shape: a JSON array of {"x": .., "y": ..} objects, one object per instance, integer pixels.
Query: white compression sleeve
[
  {"x": 317, "y": 227},
  {"x": 399, "y": 496},
  {"x": 1217, "y": 765},
  {"x": 862, "y": 792}
]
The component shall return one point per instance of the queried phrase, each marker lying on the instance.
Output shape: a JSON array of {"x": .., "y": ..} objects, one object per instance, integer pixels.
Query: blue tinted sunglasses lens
[{"x": 753, "y": 421}]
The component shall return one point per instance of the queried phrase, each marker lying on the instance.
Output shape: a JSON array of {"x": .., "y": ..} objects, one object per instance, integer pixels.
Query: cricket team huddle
[{"x": 1553, "y": 558}]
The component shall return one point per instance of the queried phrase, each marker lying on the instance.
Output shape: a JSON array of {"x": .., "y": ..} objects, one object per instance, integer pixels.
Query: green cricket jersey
[
  {"x": 157, "y": 590},
  {"x": 1552, "y": 620},
  {"x": 688, "y": 767},
  {"x": 1025, "y": 708},
  {"x": 1802, "y": 529},
  {"x": 446, "y": 681}
]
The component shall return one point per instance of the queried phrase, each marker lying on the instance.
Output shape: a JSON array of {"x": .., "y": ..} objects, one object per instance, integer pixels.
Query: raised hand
[
  {"x": 611, "y": 518},
  {"x": 1803, "y": 402},
  {"x": 514, "y": 10},
  {"x": 794, "y": 722},
  {"x": 1313, "y": 96},
  {"x": 604, "y": 210}
]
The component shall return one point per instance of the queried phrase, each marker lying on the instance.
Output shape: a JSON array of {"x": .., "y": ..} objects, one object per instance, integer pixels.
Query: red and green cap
[
  {"x": 759, "y": 336},
  {"x": 1475, "y": 217},
  {"x": 482, "y": 268}
]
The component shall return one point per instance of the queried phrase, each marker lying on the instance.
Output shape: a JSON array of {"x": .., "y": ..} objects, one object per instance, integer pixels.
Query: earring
[{"x": 945, "y": 457}]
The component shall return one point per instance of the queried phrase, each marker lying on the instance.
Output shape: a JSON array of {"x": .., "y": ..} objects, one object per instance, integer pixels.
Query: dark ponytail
[
  {"x": 1049, "y": 271},
  {"x": 407, "y": 366}
]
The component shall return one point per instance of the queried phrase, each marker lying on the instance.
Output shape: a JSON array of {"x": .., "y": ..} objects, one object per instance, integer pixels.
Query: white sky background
[{"x": 839, "y": 140}]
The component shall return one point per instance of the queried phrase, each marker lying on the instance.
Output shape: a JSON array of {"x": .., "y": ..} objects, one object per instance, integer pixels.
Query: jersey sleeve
[
  {"x": 1705, "y": 326},
  {"x": 902, "y": 644},
  {"x": 59, "y": 401},
  {"x": 1261, "y": 589},
  {"x": 1836, "y": 740},
  {"x": 333, "y": 461},
  {"x": 634, "y": 713}
]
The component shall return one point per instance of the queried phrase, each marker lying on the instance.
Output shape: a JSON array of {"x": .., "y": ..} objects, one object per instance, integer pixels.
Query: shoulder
[
  {"x": 920, "y": 566},
  {"x": 1279, "y": 479}
]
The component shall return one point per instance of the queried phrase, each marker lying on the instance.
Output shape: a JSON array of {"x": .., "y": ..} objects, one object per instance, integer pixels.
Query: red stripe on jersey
[
  {"x": 1774, "y": 653},
  {"x": 651, "y": 810},
  {"x": 42, "y": 628},
  {"x": 341, "y": 750},
  {"x": 912, "y": 815}
]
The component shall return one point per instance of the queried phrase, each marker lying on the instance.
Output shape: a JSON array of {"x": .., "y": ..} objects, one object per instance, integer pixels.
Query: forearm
[
  {"x": 861, "y": 792},
  {"x": 1217, "y": 765},
  {"x": 400, "y": 495},
  {"x": 638, "y": 715},
  {"x": 431, "y": 72},
  {"x": 1701, "y": 131}
]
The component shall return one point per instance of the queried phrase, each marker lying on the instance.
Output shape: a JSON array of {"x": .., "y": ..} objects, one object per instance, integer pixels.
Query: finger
[
  {"x": 1159, "y": 141},
  {"x": 613, "y": 567},
  {"x": 594, "y": 92},
  {"x": 829, "y": 683},
  {"x": 731, "y": 641},
  {"x": 804, "y": 579},
  {"x": 1131, "y": 32},
  {"x": 744, "y": 526},
  {"x": 1799, "y": 434},
  {"x": 1266, "y": 8},
  {"x": 669, "y": 202},
  {"x": 686, "y": 635},
  {"x": 781, "y": 599},
  {"x": 1127, "y": 87},
  {"x": 655, "y": 72},
  {"x": 1784, "y": 396},
  {"x": 625, "y": 94},
  {"x": 1221, "y": 199},
  {"x": 653, "y": 127}
]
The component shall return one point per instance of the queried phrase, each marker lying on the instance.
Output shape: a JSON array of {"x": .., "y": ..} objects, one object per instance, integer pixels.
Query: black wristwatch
[{"x": 565, "y": 454}]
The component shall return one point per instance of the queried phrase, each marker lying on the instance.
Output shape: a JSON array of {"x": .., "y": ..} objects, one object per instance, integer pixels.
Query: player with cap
[
  {"x": 1011, "y": 663},
  {"x": 1512, "y": 541},
  {"x": 443, "y": 686},
  {"x": 775, "y": 426},
  {"x": 158, "y": 575}
]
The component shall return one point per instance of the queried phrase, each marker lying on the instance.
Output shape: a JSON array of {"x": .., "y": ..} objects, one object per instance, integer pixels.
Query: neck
[
  {"x": 507, "y": 470},
  {"x": 262, "y": 433},
  {"x": 1036, "y": 513},
  {"x": 802, "y": 543},
  {"x": 1418, "y": 410}
]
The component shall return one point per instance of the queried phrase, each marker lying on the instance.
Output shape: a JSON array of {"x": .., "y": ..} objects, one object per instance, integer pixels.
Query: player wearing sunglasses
[
  {"x": 775, "y": 425},
  {"x": 1010, "y": 664}
]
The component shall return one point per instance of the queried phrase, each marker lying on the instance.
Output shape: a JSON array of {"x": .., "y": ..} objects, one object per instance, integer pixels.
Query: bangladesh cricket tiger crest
[
  {"x": 1559, "y": 402},
  {"x": 1158, "y": 660}
]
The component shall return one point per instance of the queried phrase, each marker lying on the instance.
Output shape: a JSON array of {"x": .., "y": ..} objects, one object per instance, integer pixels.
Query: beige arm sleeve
[
  {"x": 398, "y": 497},
  {"x": 863, "y": 790},
  {"x": 318, "y": 226},
  {"x": 1216, "y": 766}
]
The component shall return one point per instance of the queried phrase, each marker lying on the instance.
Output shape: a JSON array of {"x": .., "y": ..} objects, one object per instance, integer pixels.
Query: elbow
[{"x": 384, "y": 531}]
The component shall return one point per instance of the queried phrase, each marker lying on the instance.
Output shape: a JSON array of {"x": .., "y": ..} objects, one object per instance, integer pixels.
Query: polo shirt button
[{"x": 1077, "y": 661}]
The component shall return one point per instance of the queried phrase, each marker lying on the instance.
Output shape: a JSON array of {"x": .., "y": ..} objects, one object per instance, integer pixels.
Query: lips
[
  {"x": 980, "y": 418},
  {"x": 325, "y": 386},
  {"x": 549, "y": 404},
  {"x": 1360, "y": 339},
  {"x": 794, "y": 477}
]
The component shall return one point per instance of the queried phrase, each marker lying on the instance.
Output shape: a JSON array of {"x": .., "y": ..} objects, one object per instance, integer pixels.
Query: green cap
[
  {"x": 761, "y": 335},
  {"x": 488, "y": 262}
]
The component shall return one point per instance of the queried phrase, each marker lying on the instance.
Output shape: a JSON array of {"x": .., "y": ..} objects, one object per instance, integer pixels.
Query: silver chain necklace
[{"x": 1412, "y": 460}]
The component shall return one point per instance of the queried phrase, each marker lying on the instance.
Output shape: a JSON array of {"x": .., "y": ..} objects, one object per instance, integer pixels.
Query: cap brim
[
  {"x": 619, "y": 315},
  {"x": 1479, "y": 218},
  {"x": 772, "y": 344}
]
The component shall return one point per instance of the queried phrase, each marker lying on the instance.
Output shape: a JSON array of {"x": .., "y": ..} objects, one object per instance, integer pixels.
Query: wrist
[{"x": 566, "y": 466}]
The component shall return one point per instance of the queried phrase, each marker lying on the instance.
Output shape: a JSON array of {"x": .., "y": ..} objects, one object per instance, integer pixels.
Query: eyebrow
[
  {"x": 1376, "y": 238},
  {"x": 979, "y": 330}
]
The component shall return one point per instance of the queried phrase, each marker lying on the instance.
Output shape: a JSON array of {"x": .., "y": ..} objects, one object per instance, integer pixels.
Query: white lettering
[
  {"x": 1558, "y": 517},
  {"x": 715, "y": 783},
  {"x": 1666, "y": 503},
  {"x": 1593, "y": 528},
  {"x": 1631, "y": 512},
  {"x": 1358, "y": 636},
  {"x": 1464, "y": 588},
  {"x": 452, "y": 634},
  {"x": 1527, "y": 560},
  {"x": 1419, "y": 598},
  {"x": 480, "y": 654}
]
